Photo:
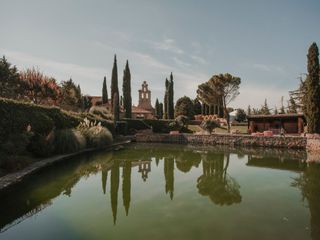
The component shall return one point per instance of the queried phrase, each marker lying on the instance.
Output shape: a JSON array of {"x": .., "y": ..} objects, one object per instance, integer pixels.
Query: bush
[
  {"x": 101, "y": 112},
  {"x": 41, "y": 146},
  {"x": 209, "y": 125},
  {"x": 16, "y": 116},
  {"x": 98, "y": 136},
  {"x": 68, "y": 141},
  {"x": 16, "y": 144}
]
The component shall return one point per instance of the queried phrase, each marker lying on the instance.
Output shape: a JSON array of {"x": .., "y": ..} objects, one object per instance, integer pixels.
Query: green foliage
[
  {"x": 249, "y": 112},
  {"x": 86, "y": 101},
  {"x": 114, "y": 81},
  {"x": 68, "y": 141},
  {"x": 9, "y": 79},
  {"x": 160, "y": 110},
  {"x": 311, "y": 99},
  {"x": 292, "y": 106},
  {"x": 185, "y": 107},
  {"x": 17, "y": 116},
  {"x": 170, "y": 98},
  {"x": 116, "y": 107},
  {"x": 209, "y": 125},
  {"x": 71, "y": 98},
  {"x": 16, "y": 144},
  {"x": 220, "y": 90},
  {"x": 165, "y": 101},
  {"x": 241, "y": 115},
  {"x": 197, "y": 106},
  {"x": 98, "y": 136},
  {"x": 265, "y": 110},
  {"x": 104, "y": 91},
  {"x": 101, "y": 111},
  {"x": 180, "y": 123},
  {"x": 41, "y": 146},
  {"x": 157, "y": 108},
  {"x": 127, "y": 100}
]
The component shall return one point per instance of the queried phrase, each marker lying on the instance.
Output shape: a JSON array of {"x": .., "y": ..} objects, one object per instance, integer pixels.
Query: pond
[{"x": 158, "y": 191}]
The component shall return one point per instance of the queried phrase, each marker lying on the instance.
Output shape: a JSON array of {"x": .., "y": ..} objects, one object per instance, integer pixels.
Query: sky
[{"x": 264, "y": 42}]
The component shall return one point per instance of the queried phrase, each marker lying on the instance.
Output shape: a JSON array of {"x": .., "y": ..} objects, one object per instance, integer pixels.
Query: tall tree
[
  {"x": 126, "y": 185},
  {"x": 292, "y": 108},
  {"x": 275, "y": 111},
  {"x": 157, "y": 108},
  {"x": 114, "y": 81},
  {"x": 104, "y": 91},
  {"x": 160, "y": 110},
  {"x": 115, "y": 172},
  {"x": 171, "y": 98},
  {"x": 222, "y": 87},
  {"x": 165, "y": 101},
  {"x": 196, "y": 106},
  {"x": 249, "y": 112},
  {"x": 116, "y": 108},
  {"x": 282, "y": 110},
  {"x": 265, "y": 108},
  {"x": 126, "y": 88},
  {"x": 312, "y": 96},
  {"x": 9, "y": 79},
  {"x": 184, "y": 106}
]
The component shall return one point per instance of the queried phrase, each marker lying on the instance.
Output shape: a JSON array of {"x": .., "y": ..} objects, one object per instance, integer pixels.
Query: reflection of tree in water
[
  {"x": 104, "y": 178},
  {"x": 114, "y": 189},
  {"x": 186, "y": 160},
  {"x": 309, "y": 184},
  {"x": 169, "y": 175},
  {"x": 126, "y": 185},
  {"x": 215, "y": 183}
]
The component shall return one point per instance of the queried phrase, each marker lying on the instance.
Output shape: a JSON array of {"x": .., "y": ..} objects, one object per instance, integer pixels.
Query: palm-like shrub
[
  {"x": 69, "y": 140},
  {"x": 96, "y": 135}
]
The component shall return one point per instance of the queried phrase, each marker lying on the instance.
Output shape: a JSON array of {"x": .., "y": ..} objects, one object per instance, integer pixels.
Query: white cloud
[
  {"x": 198, "y": 59},
  {"x": 268, "y": 68},
  {"x": 167, "y": 44}
]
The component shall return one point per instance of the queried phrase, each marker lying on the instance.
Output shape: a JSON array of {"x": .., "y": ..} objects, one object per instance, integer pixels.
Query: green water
[{"x": 168, "y": 192}]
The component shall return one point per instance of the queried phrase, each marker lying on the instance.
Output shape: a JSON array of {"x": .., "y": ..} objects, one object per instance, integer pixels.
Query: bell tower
[{"x": 145, "y": 97}]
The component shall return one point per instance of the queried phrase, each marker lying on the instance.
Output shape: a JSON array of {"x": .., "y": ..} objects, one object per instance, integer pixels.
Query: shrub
[
  {"x": 16, "y": 116},
  {"x": 41, "y": 146},
  {"x": 95, "y": 134},
  {"x": 98, "y": 136},
  {"x": 209, "y": 125},
  {"x": 101, "y": 112},
  {"x": 16, "y": 144},
  {"x": 68, "y": 141}
]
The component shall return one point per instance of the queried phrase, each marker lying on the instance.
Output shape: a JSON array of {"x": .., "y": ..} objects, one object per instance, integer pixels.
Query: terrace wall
[{"x": 227, "y": 139}]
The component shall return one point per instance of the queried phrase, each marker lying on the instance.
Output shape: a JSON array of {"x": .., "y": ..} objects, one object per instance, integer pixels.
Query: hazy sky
[{"x": 263, "y": 42}]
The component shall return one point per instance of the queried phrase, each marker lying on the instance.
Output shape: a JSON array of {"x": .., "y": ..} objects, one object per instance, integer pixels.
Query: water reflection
[
  {"x": 213, "y": 180},
  {"x": 309, "y": 184}
]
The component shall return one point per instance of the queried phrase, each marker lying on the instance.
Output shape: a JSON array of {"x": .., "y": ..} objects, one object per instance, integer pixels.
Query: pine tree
[
  {"x": 292, "y": 108},
  {"x": 265, "y": 108},
  {"x": 157, "y": 108},
  {"x": 126, "y": 88},
  {"x": 104, "y": 91},
  {"x": 114, "y": 81},
  {"x": 170, "y": 98},
  {"x": 312, "y": 96}
]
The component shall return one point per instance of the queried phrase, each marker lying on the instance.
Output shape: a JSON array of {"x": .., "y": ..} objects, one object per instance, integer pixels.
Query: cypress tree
[
  {"x": 157, "y": 109},
  {"x": 249, "y": 110},
  {"x": 126, "y": 88},
  {"x": 165, "y": 102},
  {"x": 160, "y": 110},
  {"x": 116, "y": 110},
  {"x": 170, "y": 99},
  {"x": 312, "y": 96},
  {"x": 104, "y": 91},
  {"x": 114, "y": 81}
]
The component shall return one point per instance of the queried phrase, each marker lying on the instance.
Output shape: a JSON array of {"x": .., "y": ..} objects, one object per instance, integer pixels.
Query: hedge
[
  {"x": 16, "y": 116},
  {"x": 158, "y": 126}
]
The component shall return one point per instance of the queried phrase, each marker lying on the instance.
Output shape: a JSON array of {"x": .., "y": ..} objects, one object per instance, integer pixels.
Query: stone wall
[
  {"x": 313, "y": 142},
  {"x": 227, "y": 139}
]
